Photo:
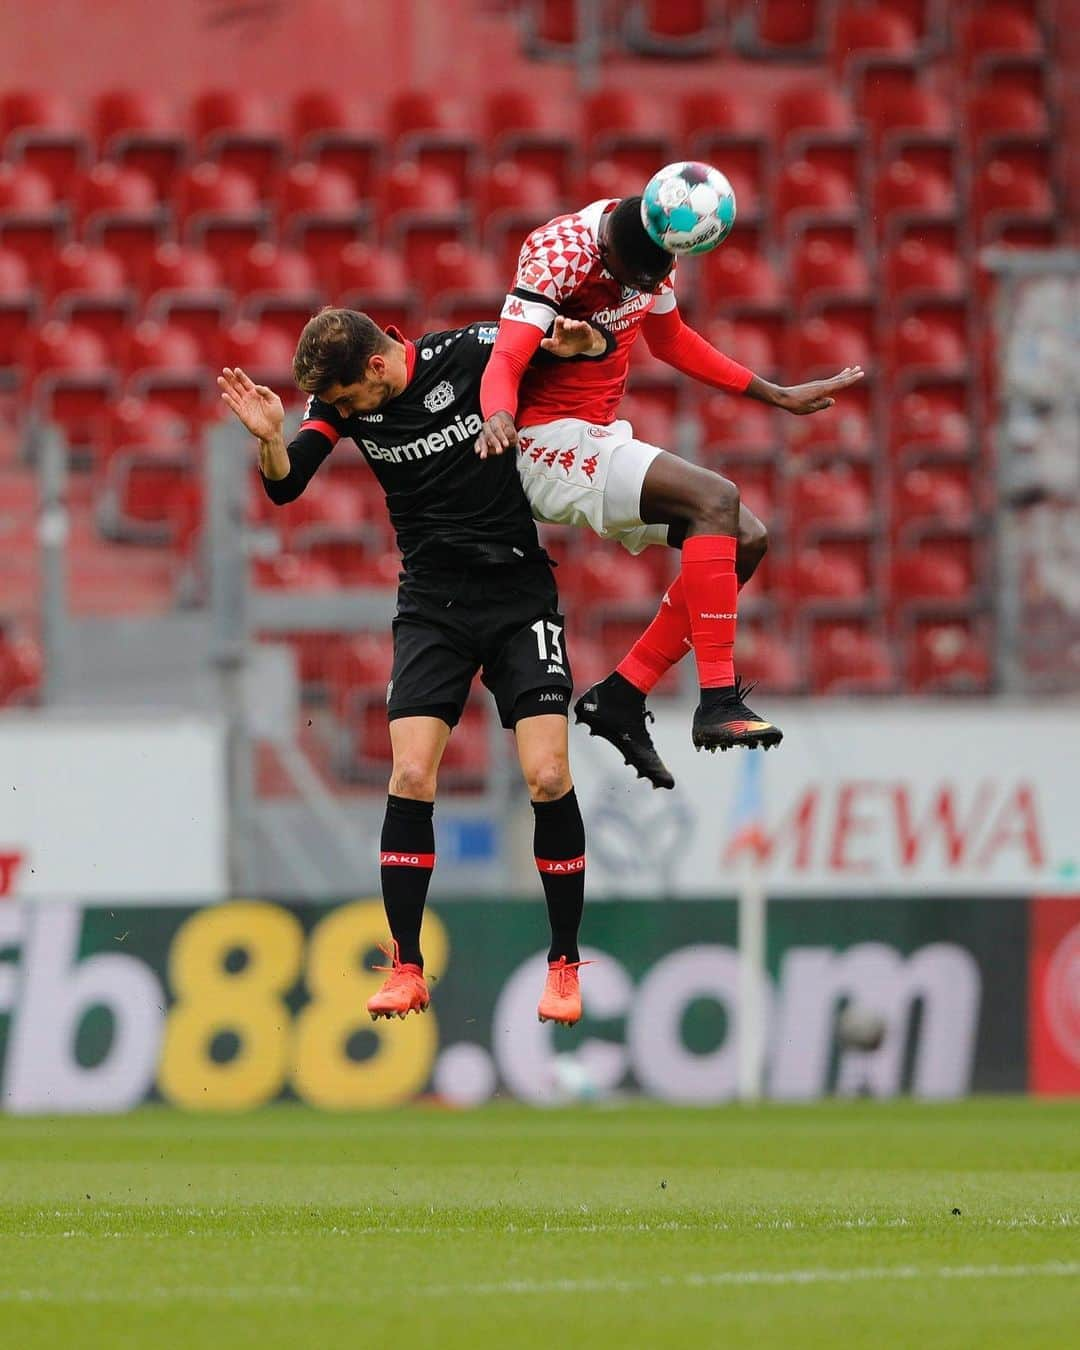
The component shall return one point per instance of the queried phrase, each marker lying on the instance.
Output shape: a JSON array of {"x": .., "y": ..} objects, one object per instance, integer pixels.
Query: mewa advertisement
[{"x": 227, "y": 1007}]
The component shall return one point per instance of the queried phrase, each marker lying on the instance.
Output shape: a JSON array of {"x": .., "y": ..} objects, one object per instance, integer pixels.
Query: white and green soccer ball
[{"x": 688, "y": 207}]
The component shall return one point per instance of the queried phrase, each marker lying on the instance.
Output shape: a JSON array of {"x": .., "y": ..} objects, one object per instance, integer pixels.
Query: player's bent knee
[
  {"x": 754, "y": 539},
  {"x": 549, "y": 781},
  {"x": 411, "y": 778},
  {"x": 717, "y": 506}
]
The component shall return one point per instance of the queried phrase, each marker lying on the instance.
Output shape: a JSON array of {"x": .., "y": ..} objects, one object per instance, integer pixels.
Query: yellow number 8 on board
[{"x": 324, "y": 1074}]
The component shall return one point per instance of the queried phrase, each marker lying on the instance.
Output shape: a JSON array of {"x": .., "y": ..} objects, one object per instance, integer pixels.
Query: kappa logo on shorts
[
  {"x": 599, "y": 433},
  {"x": 440, "y": 397}
]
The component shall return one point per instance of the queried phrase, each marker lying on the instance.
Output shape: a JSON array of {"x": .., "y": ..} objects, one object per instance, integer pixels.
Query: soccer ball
[{"x": 688, "y": 207}]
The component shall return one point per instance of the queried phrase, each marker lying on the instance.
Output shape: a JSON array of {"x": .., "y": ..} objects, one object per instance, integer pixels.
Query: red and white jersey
[{"x": 560, "y": 271}]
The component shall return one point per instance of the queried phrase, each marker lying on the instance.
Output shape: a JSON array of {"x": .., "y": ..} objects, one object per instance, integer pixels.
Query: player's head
[
  {"x": 346, "y": 359},
  {"x": 631, "y": 257}
]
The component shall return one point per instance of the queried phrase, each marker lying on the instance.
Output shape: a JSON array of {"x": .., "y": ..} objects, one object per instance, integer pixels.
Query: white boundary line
[{"x": 691, "y": 1280}]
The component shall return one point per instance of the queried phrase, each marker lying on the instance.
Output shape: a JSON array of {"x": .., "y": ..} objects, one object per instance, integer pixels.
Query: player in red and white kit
[{"x": 580, "y": 465}]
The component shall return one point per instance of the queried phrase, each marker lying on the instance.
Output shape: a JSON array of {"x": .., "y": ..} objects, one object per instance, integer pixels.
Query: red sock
[
  {"x": 712, "y": 597},
  {"x": 662, "y": 645}
]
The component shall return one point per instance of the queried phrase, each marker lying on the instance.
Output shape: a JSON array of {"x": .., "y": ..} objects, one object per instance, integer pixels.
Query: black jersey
[{"x": 446, "y": 504}]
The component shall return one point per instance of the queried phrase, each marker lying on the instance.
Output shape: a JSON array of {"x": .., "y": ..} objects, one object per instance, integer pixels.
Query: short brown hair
[{"x": 334, "y": 349}]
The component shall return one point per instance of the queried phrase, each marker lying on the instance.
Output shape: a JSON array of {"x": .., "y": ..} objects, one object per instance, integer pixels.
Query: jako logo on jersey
[
  {"x": 460, "y": 429},
  {"x": 440, "y": 397}
]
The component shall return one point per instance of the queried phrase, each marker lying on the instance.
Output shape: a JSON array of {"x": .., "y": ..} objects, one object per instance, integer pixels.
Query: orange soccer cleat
[
  {"x": 561, "y": 999},
  {"x": 404, "y": 989}
]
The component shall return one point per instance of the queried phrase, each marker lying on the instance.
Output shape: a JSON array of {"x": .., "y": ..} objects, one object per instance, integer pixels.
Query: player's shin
[
  {"x": 712, "y": 590},
  {"x": 662, "y": 645},
  {"x": 559, "y": 848},
  {"x": 407, "y": 858}
]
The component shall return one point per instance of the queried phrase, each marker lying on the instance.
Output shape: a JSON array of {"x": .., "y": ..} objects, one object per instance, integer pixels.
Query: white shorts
[{"x": 576, "y": 473}]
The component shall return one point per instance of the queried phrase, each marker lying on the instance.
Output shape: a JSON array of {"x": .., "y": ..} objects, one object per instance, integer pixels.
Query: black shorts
[{"x": 501, "y": 621}]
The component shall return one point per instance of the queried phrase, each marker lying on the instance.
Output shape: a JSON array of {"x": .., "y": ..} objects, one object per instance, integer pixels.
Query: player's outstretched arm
[
  {"x": 815, "y": 396},
  {"x": 262, "y": 413}
]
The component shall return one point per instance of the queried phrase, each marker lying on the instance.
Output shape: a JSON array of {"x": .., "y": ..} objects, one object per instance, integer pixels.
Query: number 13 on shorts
[{"x": 548, "y": 640}]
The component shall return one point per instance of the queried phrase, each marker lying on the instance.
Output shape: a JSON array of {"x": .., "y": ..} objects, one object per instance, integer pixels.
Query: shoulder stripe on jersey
[{"x": 323, "y": 428}]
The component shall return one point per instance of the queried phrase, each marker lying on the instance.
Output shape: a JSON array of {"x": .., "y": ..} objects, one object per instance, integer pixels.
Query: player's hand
[
  {"x": 496, "y": 435},
  {"x": 574, "y": 337},
  {"x": 258, "y": 407},
  {"x": 818, "y": 394}
]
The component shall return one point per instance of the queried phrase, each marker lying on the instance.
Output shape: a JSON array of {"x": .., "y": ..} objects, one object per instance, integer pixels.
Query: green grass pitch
[{"x": 630, "y": 1226}]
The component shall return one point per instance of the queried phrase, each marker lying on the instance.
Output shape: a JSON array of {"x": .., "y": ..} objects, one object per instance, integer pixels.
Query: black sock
[
  {"x": 559, "y": 846},
  {"x": 619, "y": 687},
  {"x": 407, "y": 859}
]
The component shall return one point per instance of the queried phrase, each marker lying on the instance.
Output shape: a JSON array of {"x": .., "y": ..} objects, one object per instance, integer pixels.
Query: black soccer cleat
[
  {"x": 615, "y": 710},
  {"x": 722, "y": 720}
]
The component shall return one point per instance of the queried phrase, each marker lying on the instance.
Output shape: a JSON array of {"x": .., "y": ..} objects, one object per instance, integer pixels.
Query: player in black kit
[{"x": 476, "y": 593}]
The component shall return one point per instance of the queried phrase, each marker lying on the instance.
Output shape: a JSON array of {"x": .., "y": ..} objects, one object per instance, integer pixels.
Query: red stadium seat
[
  {"x": 512, "y": 199},
  {"x": 266, "y": 354},
  {"x": 933, "y": 499},
  {"x": 239, "y": 129},
  {"x": 1001, "y": 117},
  {"x": 733, "y": 424},
  {"x": 947, "y": 658},
  {"x": 819, "y": 347},
  {"x": 930, "y": 423},
  {"x": 847, "y": 658},
  {"x": 842, "y": 431},
  {"x": 867, "y": 34},
  {"x": 831, "y": 573},
  {"x": 915, "y": 272},
  {"x": 805, "y": 194},
  {"x": 675, "y": 28},
  {"x": 118, "y": 210},
  {"x": 184, "y": 289},
  {"x": 746, "y": 340},
  {"x": 165, "y": 362},
  {"x": 319, "y": 212},
  {"x": 89, "y": 286},
  {"x": 1005, "y": 193},
  {"x": 816, "y": 123},
  {"x": 422, "y": 210},
  {"x": 436, "y": 131},
  {"x": 765, "y": 657},
  {"x": 134, "y": 422},
  {"x": 908, "y": 195},
  {"x": 465, "y": 284},
  {"x": 737, "y": 280},
  {"x": 629, "y": 127},
  {"x": 219, "y": 211},
  {"x": 912, "y": 121},
  {"x": 278, "y": 287},
  {"x": 997, "y": 36},
  {"x": 141, "y": 130},
  {"x": 152, "y": 496},
  {"x": 340, "y": 133},
  {"x": 376, "y": 282},
  {"x": 536, "y": 132},
  {"x": 823, "y": 272},
  {"x": 73, "y": 380},
  {"x": 358, "y": 667},
  {"x": 927, "y": 346},
  {"x": 31, "y": 224},
  {"x": 40, "y": 129},
  {"x": 21, "y": 667},
  {"x": 830, "y": 501},
  {"x": 788, "y": 26},
  {"x": 725, "y": 127},
  {"x": 18, "y": 309},
  {"x": 935, "y": 575}
]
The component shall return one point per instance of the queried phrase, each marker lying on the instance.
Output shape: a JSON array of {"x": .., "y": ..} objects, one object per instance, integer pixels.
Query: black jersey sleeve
[{"x": 319, "y": 432}]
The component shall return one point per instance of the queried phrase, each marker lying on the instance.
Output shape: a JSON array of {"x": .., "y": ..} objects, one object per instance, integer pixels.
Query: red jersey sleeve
[
  {"x": 514, "y": 347},
  {"x": 671, "y": 341}
]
